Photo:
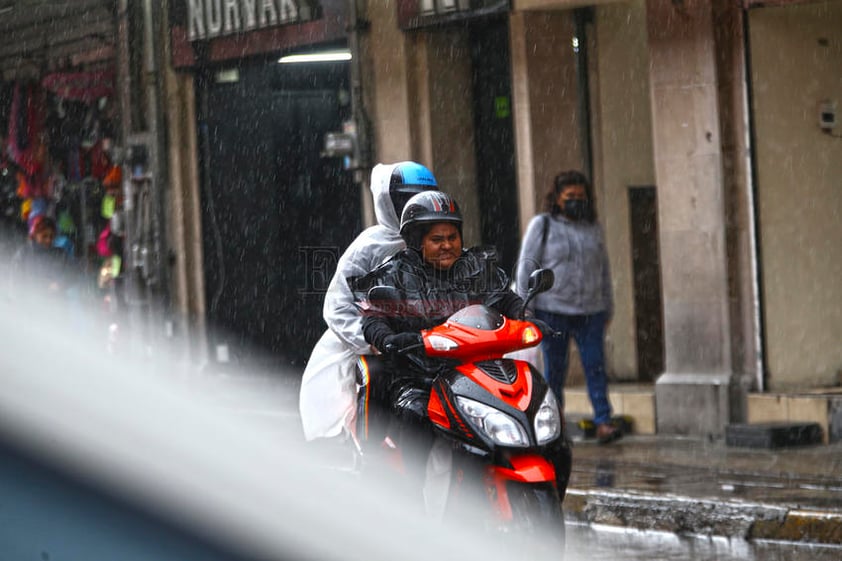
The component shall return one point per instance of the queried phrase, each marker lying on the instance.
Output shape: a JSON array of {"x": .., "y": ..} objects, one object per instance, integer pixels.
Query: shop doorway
[
  {"x": 494, "y": 139},
  {"x": 276, "y": 215},
  {"x": 797, "y": 140},
  {"x": 646, "y": 266}
]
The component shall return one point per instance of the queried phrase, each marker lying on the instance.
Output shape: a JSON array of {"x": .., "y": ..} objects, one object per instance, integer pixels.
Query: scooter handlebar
[{"x": 545, "y": 328}]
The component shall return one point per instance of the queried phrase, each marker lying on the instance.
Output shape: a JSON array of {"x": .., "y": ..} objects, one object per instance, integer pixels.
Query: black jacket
[{"x": 429, "y": 296}]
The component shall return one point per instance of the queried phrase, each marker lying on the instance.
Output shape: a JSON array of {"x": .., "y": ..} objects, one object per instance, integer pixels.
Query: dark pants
[
  {"x": 589, "y": 333},
  {"x": 393, "y": 402}
]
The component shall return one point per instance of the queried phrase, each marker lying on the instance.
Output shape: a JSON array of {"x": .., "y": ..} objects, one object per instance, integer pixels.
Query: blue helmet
[{"x": 409, "y": 179}]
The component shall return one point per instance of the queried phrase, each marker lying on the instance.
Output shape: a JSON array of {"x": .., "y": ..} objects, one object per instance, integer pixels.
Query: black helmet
[
  {"x": 425, "y": 209},
  {"x": 409, "y": 179}
]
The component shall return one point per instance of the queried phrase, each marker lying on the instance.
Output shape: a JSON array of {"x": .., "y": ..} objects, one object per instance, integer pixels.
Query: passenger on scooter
[{"x": 327, "y": 397}]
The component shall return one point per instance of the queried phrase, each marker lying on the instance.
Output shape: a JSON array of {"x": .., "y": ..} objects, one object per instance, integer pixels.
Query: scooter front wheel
[{"x": 537, "y": 519}]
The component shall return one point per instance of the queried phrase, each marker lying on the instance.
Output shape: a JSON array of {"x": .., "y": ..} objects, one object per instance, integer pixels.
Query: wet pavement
[
  {"x": 679, "y": 485},
  {"x": 703, "y": 487},
  {"x": 607, "y": 543}
]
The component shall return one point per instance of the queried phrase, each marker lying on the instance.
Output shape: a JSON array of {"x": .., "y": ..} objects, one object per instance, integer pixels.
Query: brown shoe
[{"x": 606, "y": 432}]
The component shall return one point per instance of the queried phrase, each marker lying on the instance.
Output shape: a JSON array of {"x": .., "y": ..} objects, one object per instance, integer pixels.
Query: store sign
[
  {"x": 424, "y": 13},
  {"x": 214, "y": 18}
]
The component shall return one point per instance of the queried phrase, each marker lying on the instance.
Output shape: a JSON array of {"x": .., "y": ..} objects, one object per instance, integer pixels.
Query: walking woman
[{"x": 568, "y": 239}]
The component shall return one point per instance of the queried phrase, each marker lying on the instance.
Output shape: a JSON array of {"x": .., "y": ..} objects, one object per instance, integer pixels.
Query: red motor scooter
[{"x": 503, "y": 423}]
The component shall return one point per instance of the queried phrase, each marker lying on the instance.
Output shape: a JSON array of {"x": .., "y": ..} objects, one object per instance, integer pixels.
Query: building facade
[
  {"x": 696, "y": 121},
  {"x": 701, "y": 124},
  {"x": 708, "y": 127}
]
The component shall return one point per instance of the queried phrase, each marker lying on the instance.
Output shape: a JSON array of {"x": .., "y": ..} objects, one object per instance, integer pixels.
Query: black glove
[{"x": 402, "y": 342}]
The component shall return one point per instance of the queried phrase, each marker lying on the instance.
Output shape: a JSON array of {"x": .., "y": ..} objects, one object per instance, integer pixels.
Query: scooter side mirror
[
  {"x": 384, "y": 300},
  {"x": 384, "y": 294},
  {"x": 541, "y": 280}
]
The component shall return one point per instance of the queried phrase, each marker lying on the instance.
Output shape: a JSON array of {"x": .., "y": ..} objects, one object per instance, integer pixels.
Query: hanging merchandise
[
  {"x": 110, "y": 270},
  {"x": 9, "y": 200},
  {"x": 103, "y": 245},
  {"x": 77, "y": 132},
  {"x": 80, "y": 86},
  {"x": 58, "y": 165},
  {"x": 95, "y": 161},
  {"x": 64, "y": 125},
  {"x": 66, "y": 213},
  {"x": 25, "y": 208},
  {"x": 26, "y": 143},
  {"x": 108, "y": 204},
  {"x": 37, "y": 208},
  {"x": 113, "y": 178}
]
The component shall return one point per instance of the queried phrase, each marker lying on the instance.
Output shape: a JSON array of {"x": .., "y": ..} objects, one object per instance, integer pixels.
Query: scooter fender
[{"x": 526, "y": 468}]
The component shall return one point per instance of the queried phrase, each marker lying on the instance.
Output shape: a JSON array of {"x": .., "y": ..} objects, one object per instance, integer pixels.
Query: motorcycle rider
[
  {"x": 434, "y": 278},
  {"x": 327, "y": 396}
]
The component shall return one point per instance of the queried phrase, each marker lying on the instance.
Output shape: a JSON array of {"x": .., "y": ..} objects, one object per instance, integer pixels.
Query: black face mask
[{"x": 575, "y": 209}]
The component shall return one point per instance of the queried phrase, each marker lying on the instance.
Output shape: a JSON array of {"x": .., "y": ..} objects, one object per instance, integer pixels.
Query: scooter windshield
[{"x": 478, "y": 316}]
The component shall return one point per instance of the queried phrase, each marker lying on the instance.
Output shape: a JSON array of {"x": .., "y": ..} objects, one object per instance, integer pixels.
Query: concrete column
[
  {"x": 448, "y": 120},
  {"x": 183, "y": 210},
  {"x": 387, "y": 83},
  {"x": 193, "y": 213},
  {"x": 522, "y": 118},
  {"x": 544, "y": 102},
  {"x": 692, "y": 396},
  {"x": 623, "y": 157},
  {"x": 386, "y": 90},
  {"x": 420, "y": 95},
  {"x": 741, "y": 231},
  {"x": 419, "y": 89}
]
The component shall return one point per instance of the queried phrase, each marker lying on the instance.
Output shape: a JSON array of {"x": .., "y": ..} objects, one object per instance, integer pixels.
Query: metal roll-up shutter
[{"x": 43, "y": 35}]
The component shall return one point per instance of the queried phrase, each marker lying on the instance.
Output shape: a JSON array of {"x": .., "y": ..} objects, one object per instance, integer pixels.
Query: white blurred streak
[{"x": 146, "y": 430}]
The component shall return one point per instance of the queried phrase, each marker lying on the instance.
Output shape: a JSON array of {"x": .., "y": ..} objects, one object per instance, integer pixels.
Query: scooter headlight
[
  {"x": 498, "y": 426},
  {"x": 548, "y": 420},
  {"x": 440, "y": 343}
]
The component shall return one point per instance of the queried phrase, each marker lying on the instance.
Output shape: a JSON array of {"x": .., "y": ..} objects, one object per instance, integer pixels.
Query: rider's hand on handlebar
[{"x": 403, "y": 342}]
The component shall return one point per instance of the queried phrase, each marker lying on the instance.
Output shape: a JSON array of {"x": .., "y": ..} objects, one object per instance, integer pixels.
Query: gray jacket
[{"x": 575, "y": 251}]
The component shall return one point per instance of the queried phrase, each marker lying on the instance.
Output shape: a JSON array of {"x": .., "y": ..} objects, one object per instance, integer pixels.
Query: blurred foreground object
[{"x": 107, "y": 459}]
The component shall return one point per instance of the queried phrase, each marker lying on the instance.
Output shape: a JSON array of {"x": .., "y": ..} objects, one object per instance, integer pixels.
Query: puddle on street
[
  {"x": 609, "y": 543},
  {"x": 701, "y": 483}
]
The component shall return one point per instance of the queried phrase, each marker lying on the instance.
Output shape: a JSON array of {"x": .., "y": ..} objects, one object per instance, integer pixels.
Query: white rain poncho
[{"x": 328, "y": 394}]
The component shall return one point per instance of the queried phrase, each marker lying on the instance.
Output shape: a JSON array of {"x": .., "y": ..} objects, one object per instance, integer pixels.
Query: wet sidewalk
[{"x": 697, "y": 486}]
